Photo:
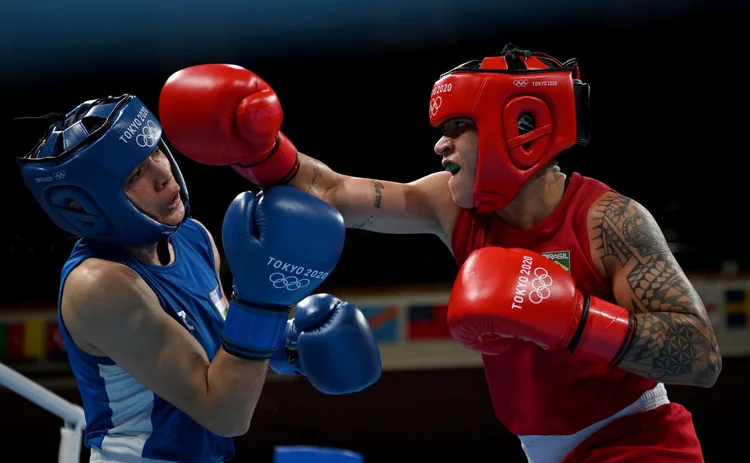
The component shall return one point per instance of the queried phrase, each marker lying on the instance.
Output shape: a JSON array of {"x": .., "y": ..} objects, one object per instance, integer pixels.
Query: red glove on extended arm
[
  {"x": 221, "y": 114},
  {"x": 501, "y": 293}
]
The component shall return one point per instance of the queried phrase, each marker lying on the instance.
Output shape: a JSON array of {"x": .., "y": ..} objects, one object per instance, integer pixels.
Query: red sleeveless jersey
[{"x": 538, "y": 392}]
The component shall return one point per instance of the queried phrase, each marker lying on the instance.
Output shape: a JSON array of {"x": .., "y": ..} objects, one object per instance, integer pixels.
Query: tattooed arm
[
  {"x": 673, "y": 340},
  {"x": 422, "y": 206}
]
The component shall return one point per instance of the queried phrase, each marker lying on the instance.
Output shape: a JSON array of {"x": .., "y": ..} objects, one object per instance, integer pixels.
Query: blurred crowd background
[{"x": 669, "y": 106}]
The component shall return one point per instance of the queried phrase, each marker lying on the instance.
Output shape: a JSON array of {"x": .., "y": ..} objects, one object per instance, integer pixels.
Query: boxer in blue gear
[{"x": 167, "y": 368}]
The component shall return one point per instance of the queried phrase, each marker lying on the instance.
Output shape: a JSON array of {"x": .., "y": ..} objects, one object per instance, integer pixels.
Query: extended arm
[
  {"x": 218, "y": 114},
  {"x": 673, "y": 340},
  {"x": 422, "y": 206}
]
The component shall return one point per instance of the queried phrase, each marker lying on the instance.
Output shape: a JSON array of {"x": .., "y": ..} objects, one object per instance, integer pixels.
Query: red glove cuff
[
  {"x": 277, "y": 168},
  {"x": 604, "y": 333}
]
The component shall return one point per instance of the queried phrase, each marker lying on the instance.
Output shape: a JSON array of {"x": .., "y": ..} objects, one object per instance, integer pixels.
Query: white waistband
[
  {"x": 98, "y": 457},
  {"x": 553, "y": 449}
]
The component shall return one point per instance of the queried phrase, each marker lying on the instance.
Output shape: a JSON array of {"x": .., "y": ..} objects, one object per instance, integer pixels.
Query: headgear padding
[
  {"x": 527, "y": 107},
  {"x": 86, "y": 158}
]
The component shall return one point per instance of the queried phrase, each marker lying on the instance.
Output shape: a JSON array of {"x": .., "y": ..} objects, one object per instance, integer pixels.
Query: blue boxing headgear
[{"x": 86, "y": 158}]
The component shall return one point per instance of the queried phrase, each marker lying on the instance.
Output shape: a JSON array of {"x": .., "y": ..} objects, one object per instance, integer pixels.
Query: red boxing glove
[
  {"x": 221, "y": 114},
  {"x": 514, "y": 293}
]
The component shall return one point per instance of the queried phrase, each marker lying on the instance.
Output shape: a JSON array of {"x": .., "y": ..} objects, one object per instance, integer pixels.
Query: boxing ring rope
[{"x": 72, "y": 415}]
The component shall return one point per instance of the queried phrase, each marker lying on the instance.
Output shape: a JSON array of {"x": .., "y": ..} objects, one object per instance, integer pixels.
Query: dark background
[{"x": 669, "y": 106}]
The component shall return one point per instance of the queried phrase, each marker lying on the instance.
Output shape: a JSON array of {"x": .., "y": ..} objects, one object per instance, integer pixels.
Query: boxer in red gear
[{"x": 567, "y": 287}]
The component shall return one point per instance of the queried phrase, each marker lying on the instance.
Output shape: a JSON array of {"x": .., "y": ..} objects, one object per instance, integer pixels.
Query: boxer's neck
[
  {"x": 536, "y": 200},
  {"x": 161, "y": 253}
]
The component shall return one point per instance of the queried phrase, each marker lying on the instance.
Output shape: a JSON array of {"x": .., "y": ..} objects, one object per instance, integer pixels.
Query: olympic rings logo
[
  {"x": 435, "y": 105},
  {"x": 540, "y": 286},
  {"x": 290, "y": 283},
  {"x": 148, "y": 136},
  {"x": 520, "y": 82}
]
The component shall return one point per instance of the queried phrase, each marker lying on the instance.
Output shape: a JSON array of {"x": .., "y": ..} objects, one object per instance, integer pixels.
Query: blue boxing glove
[
  {"x": 280, "y": 245},
  {"x": 331, "y": 343}
]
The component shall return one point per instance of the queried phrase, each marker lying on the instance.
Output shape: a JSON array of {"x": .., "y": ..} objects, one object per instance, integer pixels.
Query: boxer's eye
[
  {"x": 158, "y": 155},
  {"x": 135, "y": 175},
  {"x": 455, "y": 127}
]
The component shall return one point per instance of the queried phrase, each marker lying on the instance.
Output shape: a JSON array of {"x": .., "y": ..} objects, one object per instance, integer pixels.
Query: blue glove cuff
[
  {"x": 285, "y": 361},
  {"x": 254, "y": 331}
]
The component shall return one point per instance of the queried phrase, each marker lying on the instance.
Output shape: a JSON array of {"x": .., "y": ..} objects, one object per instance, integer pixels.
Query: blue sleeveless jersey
[{"x": 123, "y": 418}]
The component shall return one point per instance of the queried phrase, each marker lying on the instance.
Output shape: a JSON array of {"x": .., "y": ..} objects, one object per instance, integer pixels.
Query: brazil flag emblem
[{"x": 562, "y": 258}]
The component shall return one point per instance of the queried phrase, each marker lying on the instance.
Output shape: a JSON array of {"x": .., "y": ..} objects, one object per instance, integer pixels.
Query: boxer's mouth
[
  {"x": 452, "y": 167},
  {"x": 176, "y": 200}
]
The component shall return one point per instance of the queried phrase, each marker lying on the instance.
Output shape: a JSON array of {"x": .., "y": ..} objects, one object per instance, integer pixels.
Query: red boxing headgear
[{"x": 528, "y": 108}]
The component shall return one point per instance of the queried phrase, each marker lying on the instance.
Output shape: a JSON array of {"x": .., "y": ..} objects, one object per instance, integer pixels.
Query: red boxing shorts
[{"x": 663, "y": 435}]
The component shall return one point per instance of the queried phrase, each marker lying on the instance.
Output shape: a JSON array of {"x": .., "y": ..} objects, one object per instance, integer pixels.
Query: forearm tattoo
[
  {"x": 378, "y": 193},
  {"x": 317, "y": 173},
  {"x": 379, "y": 187},
  {"x": 672, "y": 347},
  {"x": 673, "y": 339},
  {"x": 363, "y": 224}
]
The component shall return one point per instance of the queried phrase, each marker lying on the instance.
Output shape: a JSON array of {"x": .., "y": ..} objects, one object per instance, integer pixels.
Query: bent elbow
[
  {"x": 224, "y": 422},
  {"x": 230, "y": 427},
  {"x": 237, "y": 431},
  {"x": 711, "y": 371},
  {"x": 706, "y": 382},
  {"x": 242, "y": 427},
  {"x": 714, "y": 374}
]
